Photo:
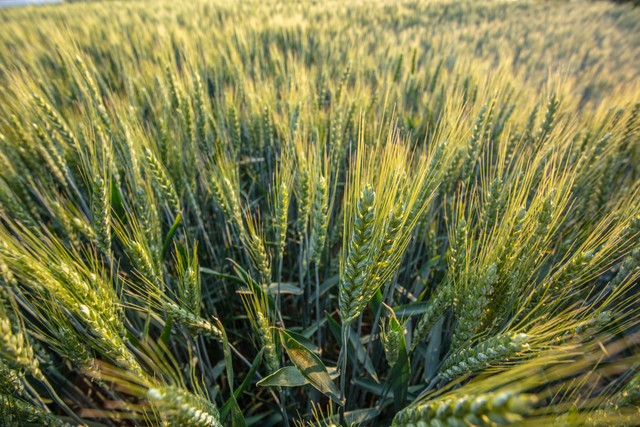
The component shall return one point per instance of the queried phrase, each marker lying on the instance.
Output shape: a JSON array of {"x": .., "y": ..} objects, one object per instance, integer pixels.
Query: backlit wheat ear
[
  {"x": 180, "y": 407},
  {"x": 94, "y": 95},
  {"x": 225, "y": 188},
  {"x": 359, "y": 257},
  {"x": 319, "y": 219},
  {"x": 262, "y": 323},
  {"x": 101, "y": 214},
  {"x": 303, "y": 197},
  {"x": 11, "y": 202},
  {"x": 547, "y": 124},
  {"x": 189, "y": 283},
  {"x": 390, "y": 339},
  {"x": 503, "y": 408},
  {"x": 51, "y": 156},
  {"x": 16, "y": 350},
  {"x": 253, "y": 238},
  {"x": 281, "y": 209},
  {"x": 140, "y": 253},
  {"x": 165, "y": 400},
  {"x": 15, "y": 411},
  {"x": 494, "y": 207},
  {"x": 474, "y": 310},
  {"x": 57, "y": 121},
  {"x": 167, "y": 188}
]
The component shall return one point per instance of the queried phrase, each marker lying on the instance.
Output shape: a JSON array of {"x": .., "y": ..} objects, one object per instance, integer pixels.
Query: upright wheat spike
[
  {"x": 101, "y": 214},
  {"x": 319, "y": 219},
  {"x": 359, "y": 257},
  {"x": 319, "y": 224}
]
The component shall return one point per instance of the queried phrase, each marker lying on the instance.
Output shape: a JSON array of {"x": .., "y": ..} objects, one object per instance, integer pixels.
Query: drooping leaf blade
[
  {"x": 310, "y": 366},
  {"x": 289, "y": 376}
]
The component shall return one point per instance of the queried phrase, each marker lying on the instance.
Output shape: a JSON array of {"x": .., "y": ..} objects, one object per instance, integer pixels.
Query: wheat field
[{"x": 299, "y": 213}]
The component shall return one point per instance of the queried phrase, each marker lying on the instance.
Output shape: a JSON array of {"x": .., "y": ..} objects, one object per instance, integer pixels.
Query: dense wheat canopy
[{"x": 411, "y": 213}]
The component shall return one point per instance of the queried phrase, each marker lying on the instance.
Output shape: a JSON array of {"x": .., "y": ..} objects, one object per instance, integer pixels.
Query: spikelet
[
  {"x": 143, "y": 260},
  {"x": 69, "y": 344},
  {"x": 225, "y": 186},
  {"x": 200, "y": 110},
  {"x": 262, "y": 321},
  {"x": 187, "y": 116},
  {"x": 174, "y": 92},
  {"x": 266, "y": 129},
  {"x": 10, "y": 202},
  {"x": 629, "y": 266}
]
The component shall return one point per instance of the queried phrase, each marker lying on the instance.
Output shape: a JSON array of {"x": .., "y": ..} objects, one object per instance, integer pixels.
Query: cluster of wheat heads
[{"x": 238, "y": 213}]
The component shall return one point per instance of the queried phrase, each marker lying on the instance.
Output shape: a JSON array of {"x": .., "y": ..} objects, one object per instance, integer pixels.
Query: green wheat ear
[
  {"x": 503, "y": 408},
  {"x": 359, "y": 257},
  {"x": 319, "y": 219}
]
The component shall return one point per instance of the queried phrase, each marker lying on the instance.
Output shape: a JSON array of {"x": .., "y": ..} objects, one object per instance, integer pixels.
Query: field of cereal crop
[{"x": 303, "y": 213}]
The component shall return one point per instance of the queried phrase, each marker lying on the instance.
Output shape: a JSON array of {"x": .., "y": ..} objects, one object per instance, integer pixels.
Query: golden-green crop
[{"x": 411, "y": 213}]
